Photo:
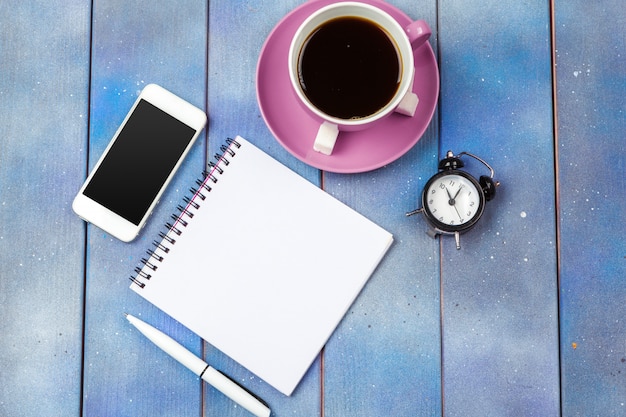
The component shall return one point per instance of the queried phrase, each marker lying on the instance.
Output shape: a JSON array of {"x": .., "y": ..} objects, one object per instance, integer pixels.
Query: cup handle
[
  {"x": 418, "y": 32},
  {"x": 326, "y": 138}
]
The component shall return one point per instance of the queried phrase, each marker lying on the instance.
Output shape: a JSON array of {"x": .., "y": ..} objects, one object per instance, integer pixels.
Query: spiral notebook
[{"x": 261, "y": 263}]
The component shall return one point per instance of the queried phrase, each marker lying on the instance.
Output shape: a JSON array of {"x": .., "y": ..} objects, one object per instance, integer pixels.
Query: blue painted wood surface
[
  {"x": 591, "y": 81},
  {"x": 526, "y": 319},
  {"x": 500, "y": 309},
  {"x": 132, "y": 45},
  {"x": 44, "y": 113}
]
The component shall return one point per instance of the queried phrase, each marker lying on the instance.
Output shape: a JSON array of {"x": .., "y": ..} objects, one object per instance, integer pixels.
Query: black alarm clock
[{"x": 453, "y": 200}]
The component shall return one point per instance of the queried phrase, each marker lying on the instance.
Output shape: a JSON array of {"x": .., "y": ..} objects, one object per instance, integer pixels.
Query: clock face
[{"x": 453, "y": 201}]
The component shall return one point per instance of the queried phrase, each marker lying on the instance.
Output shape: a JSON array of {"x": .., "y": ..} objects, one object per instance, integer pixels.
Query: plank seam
[
  {"x": 557, "y": 205},
  {"x": 85, "y": 228}
]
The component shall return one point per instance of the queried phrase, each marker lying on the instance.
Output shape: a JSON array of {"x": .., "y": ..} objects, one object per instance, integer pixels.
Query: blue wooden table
[{"x": 527, "y": 319}]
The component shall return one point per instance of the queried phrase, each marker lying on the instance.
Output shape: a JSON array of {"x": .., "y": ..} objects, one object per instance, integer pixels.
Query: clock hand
[
  {"x": 451, "y": 199},
  {"x": 457, "y": 212},
  {"x": 457, "y": 193}
]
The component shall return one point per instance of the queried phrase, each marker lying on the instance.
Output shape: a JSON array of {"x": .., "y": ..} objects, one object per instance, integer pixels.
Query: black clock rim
[{"x": 446, "y": 227}]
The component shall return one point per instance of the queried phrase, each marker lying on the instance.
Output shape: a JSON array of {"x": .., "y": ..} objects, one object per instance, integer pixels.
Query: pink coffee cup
[{"x": 326, "y": 79}]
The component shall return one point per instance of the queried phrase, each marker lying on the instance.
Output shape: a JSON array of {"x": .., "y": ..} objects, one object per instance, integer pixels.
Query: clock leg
[{"x": 410, "y": 213}]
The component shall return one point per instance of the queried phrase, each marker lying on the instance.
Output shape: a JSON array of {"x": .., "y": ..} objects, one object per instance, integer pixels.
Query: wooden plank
[
  {"x": 384, "y": 359},
  {"x": 385, "y": 355},
  {"x": 590, "y": 43},
  {"x": 43, "y": 127},
  {"x": 135, "y": 44},
  {"x": 500, "y": 312},
  {"x": 238, "y": 30}
]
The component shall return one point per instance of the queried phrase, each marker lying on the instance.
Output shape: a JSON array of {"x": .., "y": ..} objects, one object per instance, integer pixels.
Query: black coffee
[{"x": 349, "y": 68}]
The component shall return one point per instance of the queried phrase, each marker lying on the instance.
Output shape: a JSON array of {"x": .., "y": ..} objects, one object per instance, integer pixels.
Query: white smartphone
[{"x": 139, "y": 162}]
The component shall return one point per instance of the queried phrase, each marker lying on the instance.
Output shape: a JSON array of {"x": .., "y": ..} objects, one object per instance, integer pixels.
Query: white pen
[{"x": 211, "y": 375}]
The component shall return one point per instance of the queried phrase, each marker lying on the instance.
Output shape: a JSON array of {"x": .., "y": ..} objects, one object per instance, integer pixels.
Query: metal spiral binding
[
  {"x": 186, "y": 213},
  {"x": 165, "y": 236}
]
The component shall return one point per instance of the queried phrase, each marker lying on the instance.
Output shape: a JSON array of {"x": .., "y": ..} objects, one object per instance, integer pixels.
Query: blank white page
[{"x": 266, "y": 268}]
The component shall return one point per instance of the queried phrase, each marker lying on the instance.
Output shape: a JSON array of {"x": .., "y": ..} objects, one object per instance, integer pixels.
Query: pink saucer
[{"x": 295, "y": 129}]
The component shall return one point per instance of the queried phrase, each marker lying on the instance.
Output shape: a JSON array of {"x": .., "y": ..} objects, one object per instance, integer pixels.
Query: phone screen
[{"x": 139, "y": 162}]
